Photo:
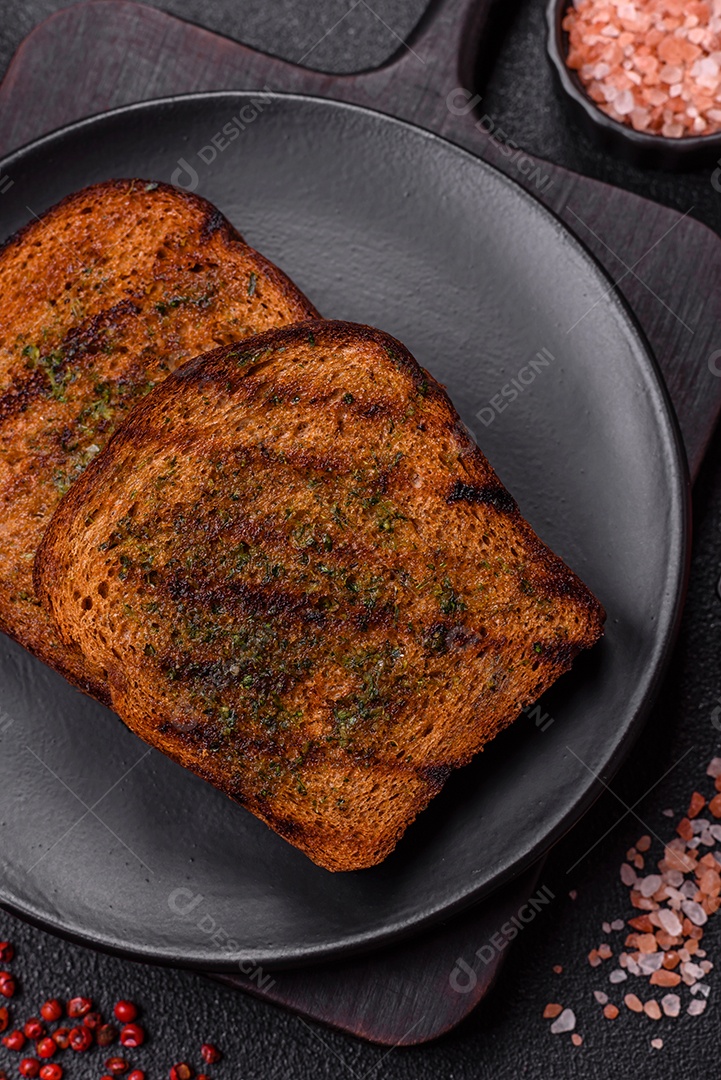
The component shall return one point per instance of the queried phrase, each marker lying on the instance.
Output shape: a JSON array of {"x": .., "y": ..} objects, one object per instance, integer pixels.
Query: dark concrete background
[{"x": 506, "y": 1037}]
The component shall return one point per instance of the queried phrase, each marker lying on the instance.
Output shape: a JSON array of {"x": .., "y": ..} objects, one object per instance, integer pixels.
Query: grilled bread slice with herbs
[
  {"x": 303, "y": 581},
  {"x": 100, "y": 299}
]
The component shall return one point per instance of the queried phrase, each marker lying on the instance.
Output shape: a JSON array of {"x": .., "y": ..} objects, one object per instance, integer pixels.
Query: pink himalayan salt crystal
[
  {"x": 669, "y": 921},
  {"x": 640, "y": 119},
  {"x": 565, "y": 1022},
  {"x": 671, "y": 75},
  {"x": 671, "y": 1004},
  {"x": 691, "y": 971},
  {"x": 650, "y": 962},
  {"x": 694, "y": 912},
  {"x": 673, "y": 878},
  {"x": 624, "y": 103},
  {"x": 650, "y": 885}
]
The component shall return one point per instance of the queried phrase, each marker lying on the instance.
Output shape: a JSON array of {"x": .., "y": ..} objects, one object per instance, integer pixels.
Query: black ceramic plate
[{"x": 378, "y": 222}]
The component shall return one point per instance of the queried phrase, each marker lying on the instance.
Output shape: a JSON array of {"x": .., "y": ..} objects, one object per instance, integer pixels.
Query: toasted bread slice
[
  {"x": 303, "y": 581},
  {"x": 101, "y": 298}
]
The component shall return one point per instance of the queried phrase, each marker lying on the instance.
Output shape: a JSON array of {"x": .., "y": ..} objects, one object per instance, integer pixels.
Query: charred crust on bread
[
  {"x": 214, "y": 222},
  {"x": 494, "y": 495}
]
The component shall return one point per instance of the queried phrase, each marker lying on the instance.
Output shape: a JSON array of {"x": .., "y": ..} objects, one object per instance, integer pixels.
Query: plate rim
[{"x": 670, "y": 609}]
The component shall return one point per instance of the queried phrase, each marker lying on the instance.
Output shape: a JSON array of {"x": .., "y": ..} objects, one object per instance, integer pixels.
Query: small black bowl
[{"x": 639, "y": 148}]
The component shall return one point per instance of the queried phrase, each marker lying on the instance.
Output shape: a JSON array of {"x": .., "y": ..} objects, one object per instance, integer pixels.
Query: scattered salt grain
[
  {"x": 670, "y": 921},
  {"x": 694, "y": 912},
  {"x": 671, "y": 1004},
  {"x": 673, "y": 878},
  {"x": 650, "y": 962},
  {"x": 664, "y": 977},
  {"x": 650, "y": 885},
  {"x": 674, "y": 898},
  {"x": 652, "y": 1010},
  {"x": 565, "y": 1022},
  {"x": 663, "y": 935},
  {"x": 691, "y": 971}
]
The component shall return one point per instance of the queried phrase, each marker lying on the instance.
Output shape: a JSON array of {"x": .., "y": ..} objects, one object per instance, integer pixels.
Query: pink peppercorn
[{"x": 132, "y": 1035}]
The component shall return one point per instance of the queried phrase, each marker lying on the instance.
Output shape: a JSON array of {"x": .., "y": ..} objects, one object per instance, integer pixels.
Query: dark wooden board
[
  {"x": 412, "y": 992},
  {"x": 106, "y": 53}
]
